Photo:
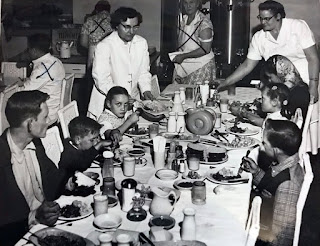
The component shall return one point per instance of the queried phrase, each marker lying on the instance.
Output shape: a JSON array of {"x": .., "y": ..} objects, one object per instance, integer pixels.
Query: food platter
[
  {"x": 247, "y": 132},
  {"x": 83, "y": 203},
  {"x": 248, "y": 142},
  {"x": 49, "y": 236},
  {"x": 212, "y": 176}
]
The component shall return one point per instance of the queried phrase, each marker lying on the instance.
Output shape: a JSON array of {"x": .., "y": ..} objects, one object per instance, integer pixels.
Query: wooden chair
[
  {"x": 4, "y": 96},
  {"x": 155, "y": 89},
  {"x": 11, "y": 72},
  {"x": 66, "y": 91},
  {"x": 53, "y": 145},
  {"x": 253, "y": 223},
  {"x": 65, "y": 115}
]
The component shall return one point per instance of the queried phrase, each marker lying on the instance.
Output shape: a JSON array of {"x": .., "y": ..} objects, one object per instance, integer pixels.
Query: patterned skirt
[{"x": 207, "y": 72}]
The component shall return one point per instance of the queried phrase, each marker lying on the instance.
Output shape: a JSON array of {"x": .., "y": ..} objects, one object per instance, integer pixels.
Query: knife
[
  {"x": 221, "y": 135},
  {"x": 238, "y": 180}
]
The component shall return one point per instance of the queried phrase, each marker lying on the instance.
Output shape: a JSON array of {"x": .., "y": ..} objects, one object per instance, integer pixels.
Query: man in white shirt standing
[
  {"x": 29, "y": 180},
  {"x": 47, "y": 74},
  {"x": 121, "y": 59}
]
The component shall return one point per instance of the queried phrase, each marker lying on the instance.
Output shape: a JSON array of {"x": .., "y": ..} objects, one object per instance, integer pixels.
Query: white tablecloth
[{"x": 221, "y": 221}]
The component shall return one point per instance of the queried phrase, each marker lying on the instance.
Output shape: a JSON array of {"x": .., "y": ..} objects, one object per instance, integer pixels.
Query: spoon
[
  {"x": 240, "y": 168},
  {"x": 221, "y": 135}
]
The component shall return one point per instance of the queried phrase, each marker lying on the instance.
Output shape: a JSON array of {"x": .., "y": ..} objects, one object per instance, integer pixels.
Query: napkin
[
  {"x": 159, "y": 144},
  {"x": 84, "y": 180}
]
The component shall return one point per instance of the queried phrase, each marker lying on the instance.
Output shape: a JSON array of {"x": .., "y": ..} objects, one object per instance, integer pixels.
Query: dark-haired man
[
  {"x": 29, "y": 180},
  {"x": 47, "y": 74},
  {"x": 280, "y": 185},
  {"x": 121, "y": 59}
]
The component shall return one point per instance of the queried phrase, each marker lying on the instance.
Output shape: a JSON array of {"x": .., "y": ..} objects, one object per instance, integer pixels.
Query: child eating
[{"x": 114, "y": 118}]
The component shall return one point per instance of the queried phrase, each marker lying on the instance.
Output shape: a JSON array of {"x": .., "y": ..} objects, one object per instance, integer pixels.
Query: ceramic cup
[
  {"x": 224, "y": 105},
  {"x": 129, "y": 164}
]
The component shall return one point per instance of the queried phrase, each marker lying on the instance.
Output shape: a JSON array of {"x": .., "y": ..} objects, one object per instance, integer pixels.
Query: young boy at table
[
  {"x": 280, "y": 185},
  {"x": 115, "y": 119},
  {"x": 83, "y": 146}
]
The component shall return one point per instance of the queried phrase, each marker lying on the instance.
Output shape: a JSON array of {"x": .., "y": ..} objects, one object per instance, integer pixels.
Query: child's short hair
[
  {"x": 81, "y": 126},
  {"x": 116, "y": 90},
  {"x": 284, "y": 135}
]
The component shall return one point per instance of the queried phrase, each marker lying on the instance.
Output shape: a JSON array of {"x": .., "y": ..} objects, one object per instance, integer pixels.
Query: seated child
[
  {"x": 274, "y": 103},
  {"x": 114, "y": 117},
  {"x": 83, "y": 146},
  {"x": 280, "y": 184}
]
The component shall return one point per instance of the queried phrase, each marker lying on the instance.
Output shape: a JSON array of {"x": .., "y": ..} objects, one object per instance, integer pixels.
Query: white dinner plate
[
  {"x": 166, "y": 174},
  {"x": 252, "y": 143},
  {"x": 247, "y": 132},
  {"x": 67, "y": 200},
  {"x": 243, "y": 176}
]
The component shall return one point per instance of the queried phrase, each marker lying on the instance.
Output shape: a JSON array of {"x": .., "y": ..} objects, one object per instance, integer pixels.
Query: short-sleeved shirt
[
  {"x": 294, "y": 36},
  {"x": 97, "y": 27}
]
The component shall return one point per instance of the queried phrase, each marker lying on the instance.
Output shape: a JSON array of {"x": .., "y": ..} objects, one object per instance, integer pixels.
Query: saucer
[
  {"x": 107, "y": 221},
  {"x": 166, "y": 174}
]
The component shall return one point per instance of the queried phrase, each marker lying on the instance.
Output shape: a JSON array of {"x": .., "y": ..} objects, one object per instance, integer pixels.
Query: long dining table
[{"x": 220, "y": 221}]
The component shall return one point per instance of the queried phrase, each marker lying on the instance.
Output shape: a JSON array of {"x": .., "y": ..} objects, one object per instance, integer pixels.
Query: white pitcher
[{"x": 64, "y": 48}]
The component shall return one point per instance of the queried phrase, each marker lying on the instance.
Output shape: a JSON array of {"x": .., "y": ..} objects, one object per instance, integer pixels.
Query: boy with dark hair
[
  {"x": 280, "y": 185},
  {"x": 83, "y": 146},
  {"x": 47, "y": 73}
]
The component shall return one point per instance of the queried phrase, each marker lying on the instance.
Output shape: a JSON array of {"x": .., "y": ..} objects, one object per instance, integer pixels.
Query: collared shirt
[
  {"x": 285, "y": 201},
  {"x": 294, "y": 36},
  {"x": 272, "y": 116},
  {"x": 119, "y": 63},
  {"x": 26, "y": 170},
  {"x": 47, "y": 75}
]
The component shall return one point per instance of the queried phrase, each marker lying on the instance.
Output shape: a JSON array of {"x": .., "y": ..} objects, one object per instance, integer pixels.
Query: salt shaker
[{"x": 188, "y": 228}]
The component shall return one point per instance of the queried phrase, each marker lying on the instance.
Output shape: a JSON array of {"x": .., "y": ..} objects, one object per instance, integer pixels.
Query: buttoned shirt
[
  {"x": 26, "y": 170},
  {"x": 46, "y": 76},
  {"x": 294, "y": 36},
  {"x": 119, "y": 63},
  {"x": 285, "y": 201}
]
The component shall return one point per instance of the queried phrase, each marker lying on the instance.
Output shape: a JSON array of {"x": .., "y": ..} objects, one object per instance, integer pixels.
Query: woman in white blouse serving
[{"x": 291, "y": 38}]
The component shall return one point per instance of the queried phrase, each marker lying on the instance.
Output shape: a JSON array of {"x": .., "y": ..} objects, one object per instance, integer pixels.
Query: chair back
[
  {"x": 155, "y": 89},
  {"x": 10, "y": 70},
  {"x": 66, "y": 91},
  {"x": 253, "y": 223},
  {"x": 4, "y": 96},
  {"x": 65, "y": 115},
  {"x": 308, "y": 177},
  {"x": 53, "y": 145}
]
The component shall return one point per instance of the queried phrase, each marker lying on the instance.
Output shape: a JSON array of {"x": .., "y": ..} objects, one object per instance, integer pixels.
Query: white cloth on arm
[
  {"x": 119, "y": 63},
  {"x": 294, "y": 36},
  {"x": 47, "y": 76},
  {"x": 26, "y": 170}
]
